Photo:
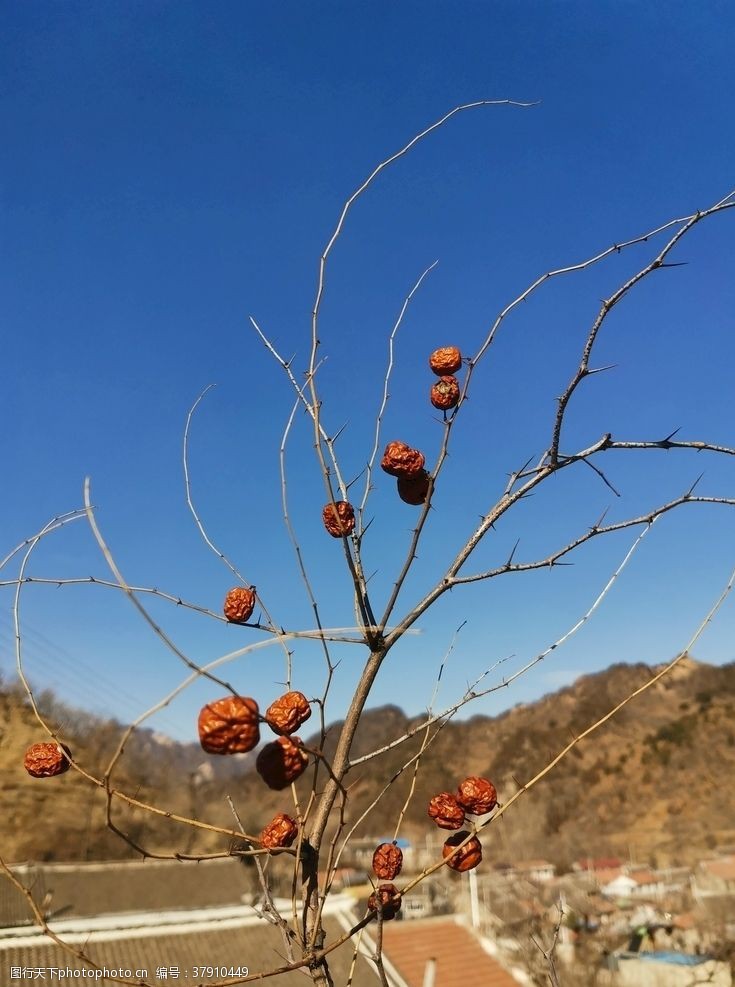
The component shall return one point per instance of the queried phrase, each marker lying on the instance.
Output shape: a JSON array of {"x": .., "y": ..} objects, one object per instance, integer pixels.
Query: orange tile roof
[
  {"x": 722, "y": 867},
  {"x": 644, "y": 876},
  {"x": 460, "y": 959},
  {"x": 606, "y": 876}
]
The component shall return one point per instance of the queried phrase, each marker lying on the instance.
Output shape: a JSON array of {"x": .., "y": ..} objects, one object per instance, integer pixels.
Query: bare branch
[
  {"x": 554, "y": 557},
  {"x": 502, "y": 809},
  {"x": 386, "y": 395},
  {"x": 609, "y": 303},
  {"x": 473, "y": 693},
  {"x": 187, "y": 484}
]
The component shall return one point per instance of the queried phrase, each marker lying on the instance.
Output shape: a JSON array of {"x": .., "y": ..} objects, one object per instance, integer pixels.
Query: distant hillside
[{"x": 653, "y": 781}]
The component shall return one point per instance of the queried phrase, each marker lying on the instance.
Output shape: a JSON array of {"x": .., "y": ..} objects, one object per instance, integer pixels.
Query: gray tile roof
[
  {"x": 126, "y": 886},
  {"x": 258, "y": 947}
]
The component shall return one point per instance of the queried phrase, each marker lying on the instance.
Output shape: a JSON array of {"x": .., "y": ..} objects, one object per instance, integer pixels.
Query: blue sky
[{"x": 171, "y": 168}]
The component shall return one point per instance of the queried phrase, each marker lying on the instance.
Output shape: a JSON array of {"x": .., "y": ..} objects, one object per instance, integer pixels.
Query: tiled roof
[
  {"x": 644, "y": 876},
  {"x": 724, "y": 868},
  {"x": 126, "y": 886},
  {"x": 606, "y": 876},
  {"x": 460, "y": 959},
  {"x": 256, "y": 946}
]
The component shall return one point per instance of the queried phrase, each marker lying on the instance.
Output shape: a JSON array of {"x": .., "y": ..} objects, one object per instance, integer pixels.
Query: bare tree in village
[{"x": 316, "y": 832}]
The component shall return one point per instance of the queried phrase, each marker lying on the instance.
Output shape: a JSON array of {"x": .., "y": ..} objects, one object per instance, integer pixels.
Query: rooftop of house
[
  {"x": 722, "y": 867},
  {"x": 460, "y": 959},
  {"x": 80, "y": 888},
  {"x": 176, "y": 950}
]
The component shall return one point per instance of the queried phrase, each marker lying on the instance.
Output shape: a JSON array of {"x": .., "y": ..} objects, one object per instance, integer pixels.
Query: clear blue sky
[{"x": 170, "y": 168}]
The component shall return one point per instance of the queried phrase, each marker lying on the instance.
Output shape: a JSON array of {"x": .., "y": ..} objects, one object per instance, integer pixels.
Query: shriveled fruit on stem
[
  {"x": 281, "y": 762},
  {"x": 477, "y": 795},
  {"x": 287, "y": 713},
  {"x": 445, "y": 360},
  {"x": 414, "y": 489},
  {"x": 44, "y": 760},
  {"x": 468, "y": 857},
  {"x": 281, "y": 831},
  {"x": 389, "y": 899},
  {"x": 446, "y": 812},
  {"x": 445, "y": 393},
  {"x": 229, "y": 725},
  {"x": 339, "y": 518},
  {"x": 401, "y": 460},
  {"x": 239, "y": 604},
  {"x": 387, "y": 861}
]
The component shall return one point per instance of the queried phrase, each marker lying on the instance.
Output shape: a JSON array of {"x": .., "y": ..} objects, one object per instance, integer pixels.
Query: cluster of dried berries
[
  {"x": 239, "y": 604},
  {"x": 281, "y": 831},
  {"x": 445, "y": 362},
  {"x": 286, "y": 714},
  {"x": 281, "y": 762},
  {"x": 45, "y": 760},
  {"x": 229, "y": 726},
  {"x": 339, "y": 518},
  {"x": 387, "y": 861},
  {"x": 475, "y": 797},
  {"x": 407, "y": 464},
  {"x": 468, "y": 857},
  {"x": 387, "y": 899}
]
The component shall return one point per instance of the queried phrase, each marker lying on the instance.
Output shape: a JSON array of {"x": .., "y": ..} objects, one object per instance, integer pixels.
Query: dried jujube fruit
[
  {"x": 477, "y": 795},
  {"x": 287, "y": 713},
  {"x": 229, "y": 725},
  {"x": 339, "y": 518},
  {"x": 445, "y": 393},
  {"x": 414, "y": 489},
  {"x": 387, "y": 861},
  {"x": 446, "y": 812},
  {"x": 239, "y": 604},
  {"x": 445, "y": 360},
  {"x": 401, "y": 460},
  {"x": 390, "y": 901},
  {"x": 281, "y": 831},
  {"x": 468, "y": 857},
  {"x": 45, "y": 760},
  {"x": 281, "y": 762}
]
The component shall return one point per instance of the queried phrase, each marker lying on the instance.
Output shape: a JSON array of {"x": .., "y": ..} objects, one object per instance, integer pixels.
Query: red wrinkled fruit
[
  {"x": 477, "y": 795},
  {"x": 239, "y": 604},
  {"x": 465, "y": 859},
  {"x": 413, "y": 489},
  {"x": 281, "y": 762},
  {"x": 287, "y": 713},
  {"x": 281, "y": 831},
  {"x": 339, "y": 518},
  {"x": 445, "y": 360},
  {"x": 446, "y": 812},
  {"x": 45, "y": 760},
  {"x": 387, "y": 861},
  {"x": 401, "y": 460},
  {"x": 390, "y": 901},
  {"x": 445, "y": 393},
  {"x": 229, "y": 725}
]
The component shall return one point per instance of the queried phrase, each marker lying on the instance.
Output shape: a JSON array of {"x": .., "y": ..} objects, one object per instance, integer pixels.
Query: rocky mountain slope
[{"x": 652, "y": 782}]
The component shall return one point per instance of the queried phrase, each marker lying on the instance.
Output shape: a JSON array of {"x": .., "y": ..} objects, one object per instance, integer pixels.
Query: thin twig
[{"x": 386, "y": 395}]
